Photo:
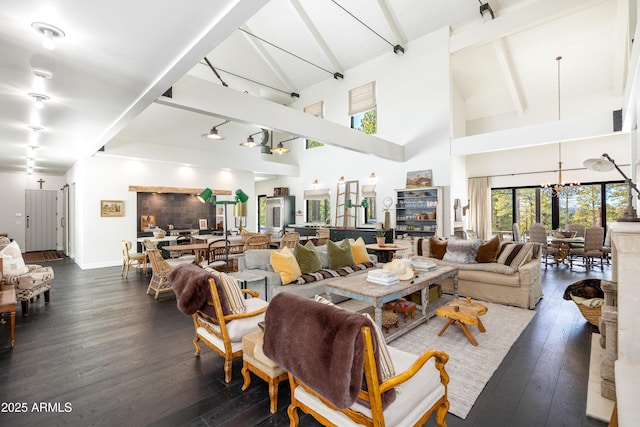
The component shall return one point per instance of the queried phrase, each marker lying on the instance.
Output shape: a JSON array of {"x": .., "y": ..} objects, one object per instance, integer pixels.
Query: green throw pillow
[
  {"x": 308, "y": 258},
  {"x": 340, "y": 254}
]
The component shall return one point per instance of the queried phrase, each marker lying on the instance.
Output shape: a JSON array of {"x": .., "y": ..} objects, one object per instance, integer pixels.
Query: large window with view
[
  {"x": 362, "y": 108},
  {"x": 319, "y": 211}
]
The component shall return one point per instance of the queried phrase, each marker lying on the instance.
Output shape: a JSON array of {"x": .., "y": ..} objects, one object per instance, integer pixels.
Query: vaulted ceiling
[{"x": 118, "y": 57}]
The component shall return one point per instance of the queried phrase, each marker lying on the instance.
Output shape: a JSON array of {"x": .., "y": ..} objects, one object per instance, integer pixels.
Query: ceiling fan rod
[{"x": 215, "y": 72}]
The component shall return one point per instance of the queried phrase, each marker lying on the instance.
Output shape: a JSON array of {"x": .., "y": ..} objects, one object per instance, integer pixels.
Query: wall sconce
[
  {"x": 213, "y": 133},
  {"x": 49, "y": 32},
  {"x": 341, "y": 180},
  {"x": 373, "y": 179},
  {"x": 315, "y": 184},
  {"x": 364, "y": 204}
]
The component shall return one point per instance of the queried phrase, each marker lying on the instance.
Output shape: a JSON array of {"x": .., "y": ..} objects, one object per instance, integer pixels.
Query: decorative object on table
[
  {"x": 400, "y": 268},
  {"x": 588, "y": 296},
  {"x": 111, "y": 207},
  {"x": 605, "y": 164},
  {"x": 423, "y": 264},
  {"x": 381, "y": 236},
  {"x": 147, "y": 221},
  {"x": 240, "y": 197},
  {"x": 382, "y": 277},
  {"x": 202, "y": 224},
  {"x": 387, "y": 202},
  {"x": 159, "y": 233},
  {"x": 419, "y": 179}
]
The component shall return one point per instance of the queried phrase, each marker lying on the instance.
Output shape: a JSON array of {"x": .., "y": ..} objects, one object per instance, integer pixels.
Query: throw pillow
[
  {"x": 437, "y": 247},
  {"x": 488, "y": 249},
  {"x": 284, "y": 263},
  {"x": 12, "y": 262},
  {"x": 232, "y": 291},
  {"x": 359, "y": 252},
  {"x": 462, "y": 251},
  {"x": 307, "y": 257},
  {"x": 515, "y": 254},
  {"x": 421, "y": 246},
  {"x": 324, "y": 255},
  {"x": 339, "y": 254}
]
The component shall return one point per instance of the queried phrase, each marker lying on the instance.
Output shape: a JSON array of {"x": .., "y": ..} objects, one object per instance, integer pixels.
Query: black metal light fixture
[
  {"x": 485, "y": 10},
  {"x": 213, "y": 133},
  {"x": 250, "y": 142},
  {"x": 280, "y": 148}
]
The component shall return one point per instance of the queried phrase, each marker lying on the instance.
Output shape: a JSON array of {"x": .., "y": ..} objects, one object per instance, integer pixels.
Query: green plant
[{"x": 381, "y": 233}]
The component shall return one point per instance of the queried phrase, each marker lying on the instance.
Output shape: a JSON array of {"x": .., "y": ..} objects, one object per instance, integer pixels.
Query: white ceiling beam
[
  {"x": 401, "y": 38},
  {"x": 621, "y": 46},
  {"x": 535, "y": 13},
  {"x": 221, "y": 26},
  {"x": 315, "y": 34},
  {"x": 202, "y": 97},
  {"x": 268, "y": 59},
  {"x": 507, "y": 72}
]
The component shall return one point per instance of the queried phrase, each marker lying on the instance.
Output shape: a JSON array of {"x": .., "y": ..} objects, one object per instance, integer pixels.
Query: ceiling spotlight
[
  {"x": 49, "y": 32},
  {"x": 39, "y": 98}
]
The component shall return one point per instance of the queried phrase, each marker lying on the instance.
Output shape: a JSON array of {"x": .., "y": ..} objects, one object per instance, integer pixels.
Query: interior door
[
  {"x": 64, "y": 219},
  {"x": 40, "y": 221}
]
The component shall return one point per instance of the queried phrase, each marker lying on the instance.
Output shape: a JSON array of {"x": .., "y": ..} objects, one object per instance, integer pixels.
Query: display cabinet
[{"x": 419, "y": 211}]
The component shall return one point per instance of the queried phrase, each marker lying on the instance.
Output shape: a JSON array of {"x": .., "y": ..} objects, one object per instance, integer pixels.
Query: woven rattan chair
[
  {"x": 258, "y": 241},
  {"x": 290, "y": 239},
  {"x": 128, "y": 258},
  {"x": 322, "y": 236},
  {"x": 224, "y": 335},
  {"x": 160, "y": 269}
]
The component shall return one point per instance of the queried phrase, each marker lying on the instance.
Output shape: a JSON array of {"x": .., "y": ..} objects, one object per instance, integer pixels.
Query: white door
[{"x": 40, "y": 221}]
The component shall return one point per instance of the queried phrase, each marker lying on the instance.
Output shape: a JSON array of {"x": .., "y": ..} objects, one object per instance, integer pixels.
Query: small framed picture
[
  {"x": 202, "y": 223},
  {"x": 111, "y": 207},
  {"x": 147, "y": 221},
  {"x": 419, "y": 179}
]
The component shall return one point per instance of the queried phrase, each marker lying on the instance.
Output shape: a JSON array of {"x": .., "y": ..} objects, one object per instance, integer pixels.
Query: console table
[{"x": 8, "y": 305}]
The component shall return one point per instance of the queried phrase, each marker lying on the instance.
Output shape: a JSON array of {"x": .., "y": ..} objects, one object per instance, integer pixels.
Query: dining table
[
  {"x": 564, "y": 245},
  {"x": 200, "y": 248}
]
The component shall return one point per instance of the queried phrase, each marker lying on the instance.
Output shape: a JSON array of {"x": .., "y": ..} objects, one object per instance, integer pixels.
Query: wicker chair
[
  {"x": 257, "y": 241},
  {"x": 222, "y": 335},
  {"x": 591, "y": 253},
  {"x": 128, "y": 258},
  {"x": 290, "y": 239},
  {"x": 160, "y": 269},
  {"x": 322, "y": 236}
]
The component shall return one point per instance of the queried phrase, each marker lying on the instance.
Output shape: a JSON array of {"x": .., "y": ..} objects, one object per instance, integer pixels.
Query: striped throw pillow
[
  {"x": 515, "y": 254},
  {"x": 232, "y": 290}
]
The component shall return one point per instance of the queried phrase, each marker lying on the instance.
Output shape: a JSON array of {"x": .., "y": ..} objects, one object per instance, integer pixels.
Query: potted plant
[{"x": 381, "y": 236}]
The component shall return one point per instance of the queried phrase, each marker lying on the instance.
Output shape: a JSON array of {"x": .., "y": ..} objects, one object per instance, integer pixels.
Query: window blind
[
  {"x": 362, "y": 98},
  {"x": 316, "y": 109},
  {"x": 318, "y": 194}
]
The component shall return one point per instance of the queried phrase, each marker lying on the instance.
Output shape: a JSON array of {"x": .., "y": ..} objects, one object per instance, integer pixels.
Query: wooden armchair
[
  {"x": 326, "y": 378},
  {"x": 224, "y": 333}
]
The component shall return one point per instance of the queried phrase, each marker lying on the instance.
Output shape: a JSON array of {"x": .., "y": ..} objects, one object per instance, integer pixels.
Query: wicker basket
[{"x": 592, "y": 314}]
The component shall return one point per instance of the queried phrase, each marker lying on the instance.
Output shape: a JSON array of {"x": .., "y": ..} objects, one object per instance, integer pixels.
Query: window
[
  {"x": 262, "y": 212},
  {"x": 580, "y": 207},
  {"x": 317, "y": 110},
  {"x": 319, "y": 211},
  {"x": 616, "y": 201},
  {"x": 362, "y": 108}
]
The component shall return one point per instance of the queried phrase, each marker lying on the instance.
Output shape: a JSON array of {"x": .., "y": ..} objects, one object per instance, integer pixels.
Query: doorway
[{"x": 40, "y": 221}]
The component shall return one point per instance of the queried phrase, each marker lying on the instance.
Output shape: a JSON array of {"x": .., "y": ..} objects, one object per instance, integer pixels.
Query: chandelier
[{"x": 560, "y": 187}]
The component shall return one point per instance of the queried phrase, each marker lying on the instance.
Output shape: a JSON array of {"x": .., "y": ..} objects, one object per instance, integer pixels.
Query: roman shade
[
  {"x": 362, "y": 98},
  {"x": 317, "y": 194},
  {"x": 316, "y": 109}
]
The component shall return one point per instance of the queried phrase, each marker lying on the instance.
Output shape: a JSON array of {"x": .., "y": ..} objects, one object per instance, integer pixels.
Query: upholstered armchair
[
  {"x": 221, "y": 315},
  {"x": 348, "y": 376}
]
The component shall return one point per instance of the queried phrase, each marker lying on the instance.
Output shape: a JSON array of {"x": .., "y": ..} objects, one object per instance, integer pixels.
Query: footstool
[
  {"x": 389, "y": 318},
  {"x": 401, "y": 305},
  {"x": 465, "y": 312},
  {"x": 254, "y": 360}
]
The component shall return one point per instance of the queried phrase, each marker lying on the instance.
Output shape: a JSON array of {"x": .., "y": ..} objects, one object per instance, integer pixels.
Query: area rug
[
  {"x": 41, "y": 256},
  {"x": 469, "y": 367}
]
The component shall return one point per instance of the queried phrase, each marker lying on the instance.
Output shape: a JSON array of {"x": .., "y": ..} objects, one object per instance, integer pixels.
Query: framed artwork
[
  {"x": 147, "y": 221},
  {"x": 202, "y": 223},
  {"x": 111, "y": 207},
  {"x": 419, "y": 179}
]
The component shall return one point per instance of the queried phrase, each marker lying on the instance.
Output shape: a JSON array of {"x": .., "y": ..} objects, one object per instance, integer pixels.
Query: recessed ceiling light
[
  {"x": 36, "y": 129},
  {"x": 45, "y": 74},
  {"x": 49, "y": 32}
]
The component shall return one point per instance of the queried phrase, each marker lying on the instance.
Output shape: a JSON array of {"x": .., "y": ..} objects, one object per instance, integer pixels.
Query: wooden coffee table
[
  {"x": 465, "y": 312},
  {"x": 356, "y": 286}
]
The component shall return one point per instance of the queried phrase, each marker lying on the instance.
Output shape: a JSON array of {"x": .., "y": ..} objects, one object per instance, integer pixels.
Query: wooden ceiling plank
[{"x": 178, "y": 190}]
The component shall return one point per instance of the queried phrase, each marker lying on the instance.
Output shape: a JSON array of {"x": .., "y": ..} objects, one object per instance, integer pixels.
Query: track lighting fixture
[{"x": 49, "y": 32}]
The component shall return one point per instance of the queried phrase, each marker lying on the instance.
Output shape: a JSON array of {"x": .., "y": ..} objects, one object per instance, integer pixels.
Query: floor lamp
[
  {"x": 208, "y": 196},
  {"x": 606, "y": 164}
]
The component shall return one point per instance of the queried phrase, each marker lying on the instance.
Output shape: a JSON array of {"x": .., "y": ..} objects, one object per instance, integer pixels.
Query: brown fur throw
[
  {"x": 319, "y": 344},
  {"x": 191, "y": 286},
  {"x": 587, "y": 288}
]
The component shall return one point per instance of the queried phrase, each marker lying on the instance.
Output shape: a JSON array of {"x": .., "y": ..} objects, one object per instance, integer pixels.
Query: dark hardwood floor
[{"x": 104, "y": 353}]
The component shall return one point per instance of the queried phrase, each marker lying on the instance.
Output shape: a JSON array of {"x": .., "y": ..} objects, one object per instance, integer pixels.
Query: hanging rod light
[
  {"x": 250, "y": 142},
  {"x": 280, "y": 148},
  {"x": 213, "y": 133},
  {"x": 560, "y": 186}
]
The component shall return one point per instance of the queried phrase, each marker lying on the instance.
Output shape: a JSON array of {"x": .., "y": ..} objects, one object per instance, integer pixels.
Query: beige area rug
[
  {"x": 469, "y": 367},
  {"x": 41, "y": 256}
]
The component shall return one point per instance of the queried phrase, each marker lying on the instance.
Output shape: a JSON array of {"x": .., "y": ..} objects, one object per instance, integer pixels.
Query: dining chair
[
  {"x": 290, "y": 239},
  {"x": 538, "y": 234},
  {"x": 322, "y": 236},
  {"x": 606, "y": 247},
  {"x": 258, "y": 241},
  {"x": 128, "y": 258},
  {"x": 516, "y": 232},
  {"x": 592, "y": 250},
  {"x": 160, "y": 269}
]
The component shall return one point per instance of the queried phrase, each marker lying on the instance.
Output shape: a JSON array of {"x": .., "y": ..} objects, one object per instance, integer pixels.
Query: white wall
[
  {"x": 108, "y": 178},
  {"x": 12, "y": 206}
]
